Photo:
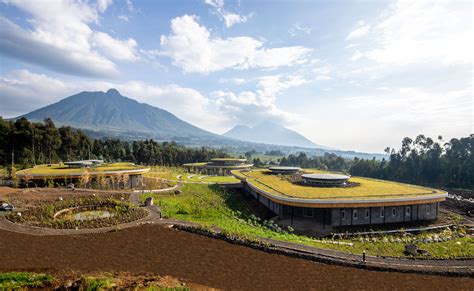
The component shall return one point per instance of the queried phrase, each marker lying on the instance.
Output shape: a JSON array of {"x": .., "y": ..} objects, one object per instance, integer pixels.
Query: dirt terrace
[{"x": 160, "y": 251}]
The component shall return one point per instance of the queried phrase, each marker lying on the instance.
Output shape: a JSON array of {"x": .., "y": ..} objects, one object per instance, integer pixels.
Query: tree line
[
  {"x": 420, "y": 161},
  {"x": 28, "y": 143},
  {"x": 424, "y": 161}
]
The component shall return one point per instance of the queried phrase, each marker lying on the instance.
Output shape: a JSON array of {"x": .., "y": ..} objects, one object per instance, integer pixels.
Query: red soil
[{"x": 160, "y": 251}]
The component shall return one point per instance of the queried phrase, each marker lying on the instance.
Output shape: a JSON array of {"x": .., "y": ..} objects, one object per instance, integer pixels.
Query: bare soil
[{"x": 154, "y": 250}]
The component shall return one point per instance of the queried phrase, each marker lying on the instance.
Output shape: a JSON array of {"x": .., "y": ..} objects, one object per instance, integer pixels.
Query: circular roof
[
  {"x": 284, "y": 169},
  {"x": 228, "y": 160},
  {"x": 325, "y": 177}
]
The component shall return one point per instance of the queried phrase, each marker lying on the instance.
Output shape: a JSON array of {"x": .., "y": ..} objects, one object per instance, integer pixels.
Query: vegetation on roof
[
  {"x": 200, "y": 164},
  {"x": 59, "y": 169},
  {"x": 367, "y": 188}
]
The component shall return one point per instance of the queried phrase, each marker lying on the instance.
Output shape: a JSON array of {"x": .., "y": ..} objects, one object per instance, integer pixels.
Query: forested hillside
[
  {"x": 420, "y": 161},
  {"x": 38, "y": 143}
]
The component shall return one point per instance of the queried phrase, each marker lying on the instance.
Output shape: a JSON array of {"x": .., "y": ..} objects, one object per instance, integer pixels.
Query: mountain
[
  {"x": 111, "y": 115},
  {"x": 271, "y": 133},
  {"x": 119, "y": 116}
]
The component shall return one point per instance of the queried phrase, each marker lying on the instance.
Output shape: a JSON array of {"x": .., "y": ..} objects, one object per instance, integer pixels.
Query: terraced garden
[{"x": 212, "y": 206}]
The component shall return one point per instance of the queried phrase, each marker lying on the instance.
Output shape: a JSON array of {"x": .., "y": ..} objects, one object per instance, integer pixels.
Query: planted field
[
  {"x": 212, "y": 206},
  {"x": 366, "y": 188}
]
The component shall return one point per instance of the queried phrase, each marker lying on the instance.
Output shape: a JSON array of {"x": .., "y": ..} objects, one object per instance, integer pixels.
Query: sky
[{"x": 352, "y": 75}]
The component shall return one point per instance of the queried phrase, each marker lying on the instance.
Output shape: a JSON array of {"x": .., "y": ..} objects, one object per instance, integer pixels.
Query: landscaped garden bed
[{"x": 84, "y": 212}]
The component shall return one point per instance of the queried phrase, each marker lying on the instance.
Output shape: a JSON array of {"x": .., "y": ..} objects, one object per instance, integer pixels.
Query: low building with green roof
[
  {"x": 317, "y": 199},
  {"x": 218, "y": 166}
]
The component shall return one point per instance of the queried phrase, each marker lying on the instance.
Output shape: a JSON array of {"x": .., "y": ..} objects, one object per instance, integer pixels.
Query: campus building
[
  {"x": 92, "y": 172},
  {"x": 315, "y": 200},
  {"x": 218, "y": 166}
]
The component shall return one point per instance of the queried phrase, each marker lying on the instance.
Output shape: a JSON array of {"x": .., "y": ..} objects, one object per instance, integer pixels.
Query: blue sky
[{"x": 355, "y": 75}]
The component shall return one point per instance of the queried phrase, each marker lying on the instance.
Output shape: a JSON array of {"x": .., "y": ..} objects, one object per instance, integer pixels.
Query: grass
[
  {"x": 171, "y": 173},
  {"x": 98, "y": 283},
  {"x": 17, "y": 280},
  {"x": 58, "y": 169},
  {"x": 212, "y": 206},
  {"x": 367, "y": 188}
]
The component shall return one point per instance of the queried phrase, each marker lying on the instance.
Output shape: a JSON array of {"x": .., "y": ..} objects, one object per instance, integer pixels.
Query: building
[
  {"x": 316, "y": 200},
  {"x": 84, "y": 164},
  {"x": 218, "y": 166},
  {"x": 91, "y": 172},
  {"x": 279, "y": 170}
]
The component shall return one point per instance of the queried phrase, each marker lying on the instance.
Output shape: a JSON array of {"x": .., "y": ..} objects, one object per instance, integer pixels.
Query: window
[
  {"x": 343, "y": 214},
  {"x": 308, "y": 212},
  {"x": 408, "y": 210},
  {"x": 394, "y": 211},
  {"x": 382, "y": 212},
  {"x": 367, "y": 213},
  {"x": 428, "y": 209},
  {"x": 355, "y": 213}
]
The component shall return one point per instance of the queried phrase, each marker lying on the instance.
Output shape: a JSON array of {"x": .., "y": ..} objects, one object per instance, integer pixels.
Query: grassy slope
[
  {"x": 212, "y": 206},
  {"x": 368, "y": 188},
  {"x": 14, "y": 280}
]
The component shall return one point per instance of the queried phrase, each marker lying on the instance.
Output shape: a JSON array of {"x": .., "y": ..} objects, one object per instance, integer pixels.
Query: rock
[
  {"x": 411, "y": 249},
  {"x": 423, "y": 252},
  {"x": 149, "y": 201}
]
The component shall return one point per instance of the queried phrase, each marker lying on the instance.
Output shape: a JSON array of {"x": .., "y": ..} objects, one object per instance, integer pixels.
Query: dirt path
[{"x": 153, "y": 249}]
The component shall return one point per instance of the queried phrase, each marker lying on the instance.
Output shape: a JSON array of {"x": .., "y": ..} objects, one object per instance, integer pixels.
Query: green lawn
[
  {"x": 210, "y": 205},
  {"x": 14, "y": 280}
]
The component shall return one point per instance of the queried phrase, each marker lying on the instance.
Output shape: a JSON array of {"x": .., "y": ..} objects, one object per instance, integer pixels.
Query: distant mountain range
[
  {"x": 109, "y": 114},
  {"x": 120, "y": 116},
  {"x": 271, "y": 133}
]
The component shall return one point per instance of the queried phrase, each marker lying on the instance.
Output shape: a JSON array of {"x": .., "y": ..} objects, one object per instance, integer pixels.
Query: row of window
[{"x": 355, "y": 213}]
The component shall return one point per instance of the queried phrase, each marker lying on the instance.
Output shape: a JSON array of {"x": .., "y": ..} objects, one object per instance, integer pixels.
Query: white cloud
[
  {"x": 194, "y": 50},
  {"x": 62, "y": 39},
  {"x": 123, "y": 17},
  {"x": 215, "y": 3},
  {"x": 423, "y": 31},
  {"x": 297, "y": 28},
  {"x": 115, "y": 48},
  {"x": 24, "y": 91},
  {"x": 102, "y": 5},
  {"x": 359, "y": 31},
  {"x": 235, "y": 81},
  {"x": 229, "y": 18},
  {"x": 251, "y": 108}
]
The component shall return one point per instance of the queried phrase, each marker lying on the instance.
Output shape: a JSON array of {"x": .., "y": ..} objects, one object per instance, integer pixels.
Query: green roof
[
  {"x": 366, "y": 189},
  {"x": 62, "y": 170}
]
